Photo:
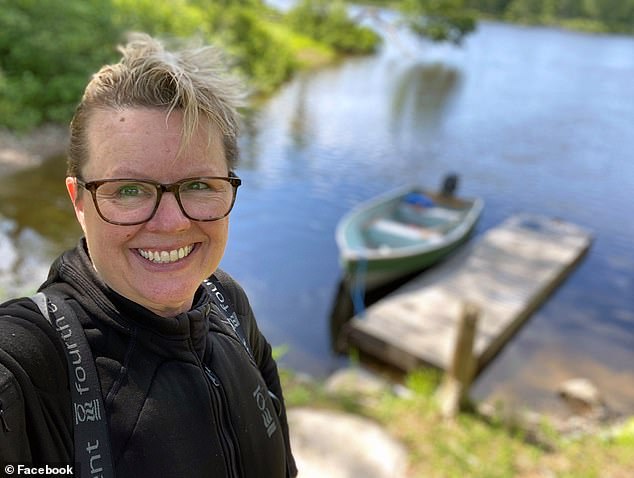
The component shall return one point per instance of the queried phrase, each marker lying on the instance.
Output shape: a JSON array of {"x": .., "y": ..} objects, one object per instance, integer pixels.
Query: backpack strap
[
  {"x": 221, "y": 299},
  {"x": 91, "y": 434}
]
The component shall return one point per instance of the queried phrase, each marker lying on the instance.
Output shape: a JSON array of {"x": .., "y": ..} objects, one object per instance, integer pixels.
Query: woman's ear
[{"x": 77, "y": 199}]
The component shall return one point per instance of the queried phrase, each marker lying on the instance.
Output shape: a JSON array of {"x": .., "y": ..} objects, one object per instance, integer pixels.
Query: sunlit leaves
[{"x": 328, "y": 22}]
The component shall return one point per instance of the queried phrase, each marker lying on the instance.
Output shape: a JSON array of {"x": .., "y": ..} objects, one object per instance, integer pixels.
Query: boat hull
[{"x": 376, "y": 273}]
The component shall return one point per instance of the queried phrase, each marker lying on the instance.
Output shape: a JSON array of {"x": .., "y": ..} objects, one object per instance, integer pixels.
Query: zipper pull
[
  {"x": 212, "y": 376},
  {"x": 5, "y": 425}
]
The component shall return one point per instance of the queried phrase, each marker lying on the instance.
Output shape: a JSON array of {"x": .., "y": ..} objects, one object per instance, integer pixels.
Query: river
[{"x": 533, "y": 119}]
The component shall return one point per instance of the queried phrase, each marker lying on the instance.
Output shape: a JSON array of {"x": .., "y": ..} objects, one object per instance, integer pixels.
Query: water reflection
[
  {"x": 36, "y": 199},
  {"x": 36, "y": 223},
  {"x": 422, "y": 96},
  {"x": 299, "y": 121}
]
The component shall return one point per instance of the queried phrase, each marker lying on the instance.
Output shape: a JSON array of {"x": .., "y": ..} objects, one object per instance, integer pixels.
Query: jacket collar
[{"x": 74, "y": 275}]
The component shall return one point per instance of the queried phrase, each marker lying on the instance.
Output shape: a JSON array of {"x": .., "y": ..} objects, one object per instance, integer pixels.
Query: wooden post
[{"x": 455, "y": 387}]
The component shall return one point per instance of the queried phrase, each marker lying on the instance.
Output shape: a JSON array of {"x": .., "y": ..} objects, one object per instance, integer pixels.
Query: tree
[
  {"x": 48, "y": 49},
  {"x": 596, "y": 15},
  {"x": 328, "y": 22},
  {"x": 261, "y": 58},
  {"x": 439, "y": 20}
]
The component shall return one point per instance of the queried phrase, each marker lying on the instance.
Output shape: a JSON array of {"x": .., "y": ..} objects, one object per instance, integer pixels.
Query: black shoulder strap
[
  {"x": 91, "y": 435},
  {"x": 221, "y": 299}
]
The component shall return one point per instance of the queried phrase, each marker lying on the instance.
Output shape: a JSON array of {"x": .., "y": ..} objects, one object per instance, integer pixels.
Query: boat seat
[
  {"x": 427, "y": 216},
  {"x": 386, "y": 232}
]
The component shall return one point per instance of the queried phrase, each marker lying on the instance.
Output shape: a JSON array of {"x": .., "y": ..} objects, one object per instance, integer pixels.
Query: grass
[{"x": 470, "y": 445}]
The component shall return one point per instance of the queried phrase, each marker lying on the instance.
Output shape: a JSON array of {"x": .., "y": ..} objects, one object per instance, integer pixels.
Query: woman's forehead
[{"x": 134, "y": 139}]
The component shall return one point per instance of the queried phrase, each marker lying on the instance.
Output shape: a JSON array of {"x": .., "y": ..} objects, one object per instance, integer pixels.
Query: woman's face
[{"x": 144, "y": 144}]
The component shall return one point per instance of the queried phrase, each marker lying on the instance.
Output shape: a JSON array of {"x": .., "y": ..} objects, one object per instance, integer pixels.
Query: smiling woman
[
  {"x": 153, "y": 146},
  {"x": 115, "y": 233}
]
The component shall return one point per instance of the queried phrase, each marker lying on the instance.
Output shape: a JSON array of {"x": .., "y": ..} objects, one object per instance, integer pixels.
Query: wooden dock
[{"x": 508, "y": 273}]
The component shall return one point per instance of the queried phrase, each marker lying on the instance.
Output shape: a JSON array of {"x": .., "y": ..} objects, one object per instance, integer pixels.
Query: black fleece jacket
[{"x": 182, "y": 396}]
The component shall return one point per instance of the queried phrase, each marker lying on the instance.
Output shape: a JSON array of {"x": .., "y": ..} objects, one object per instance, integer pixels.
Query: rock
[
  {"x": 589, "y": 411},
  {"x": 357, "y": 381},
  {"x": 581, "y": 395},
  {"x": 364, "y": 385},
  {"x": 334, "y": 444}
]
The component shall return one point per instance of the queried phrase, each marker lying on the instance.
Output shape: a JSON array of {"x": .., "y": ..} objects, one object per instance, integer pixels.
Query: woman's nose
[{"x": 169, "y": 216}]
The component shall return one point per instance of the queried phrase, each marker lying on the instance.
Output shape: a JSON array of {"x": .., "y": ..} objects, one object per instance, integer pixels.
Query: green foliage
[
  {"x": 279, "y": 351},
  {"x": 624, "y": 435},
  {"x": 178, "y": 18},
  {"x": 439, "y": 20},
  {"x": 306, "y": 51},
  {"x": 328, "y": 22},
  {"x": 236, "y": 26},
  {"x": 594, "y": 15},
  {"x": 48, "y": 49},
  {"x": 258, "y": 54},
  {"x": 423, "y": 381}
]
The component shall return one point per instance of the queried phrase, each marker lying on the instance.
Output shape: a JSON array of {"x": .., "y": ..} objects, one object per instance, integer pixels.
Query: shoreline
[{"x": 32, "y": 148}]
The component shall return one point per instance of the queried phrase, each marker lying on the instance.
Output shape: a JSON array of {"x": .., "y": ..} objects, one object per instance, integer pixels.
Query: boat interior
[{"x": 414, "y": 219}]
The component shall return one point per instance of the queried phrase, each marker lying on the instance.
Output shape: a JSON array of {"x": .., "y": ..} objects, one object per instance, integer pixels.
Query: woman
[{"x": 150, "y": 176}]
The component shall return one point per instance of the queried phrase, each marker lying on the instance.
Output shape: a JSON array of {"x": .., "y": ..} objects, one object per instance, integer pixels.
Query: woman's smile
[{"x": 166, "y": 256}]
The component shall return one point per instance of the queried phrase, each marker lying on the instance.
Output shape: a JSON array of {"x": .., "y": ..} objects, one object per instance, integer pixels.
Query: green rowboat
[{"x": 404, "y": 231}]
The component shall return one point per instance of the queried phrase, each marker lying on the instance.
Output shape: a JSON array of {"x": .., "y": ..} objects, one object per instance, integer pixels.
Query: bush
[
  {"x": 329, "y": 22},
  {"x": 174, "y": 18},
  {"x": 47, "y": 51},
  {"x": 257, "y": 54}
]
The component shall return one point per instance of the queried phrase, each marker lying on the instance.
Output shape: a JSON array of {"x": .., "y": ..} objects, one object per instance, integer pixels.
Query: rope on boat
[{"x": 357, "y": 287}]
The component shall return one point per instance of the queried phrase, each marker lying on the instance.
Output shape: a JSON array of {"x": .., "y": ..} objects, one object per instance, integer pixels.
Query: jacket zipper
[{"x": 225, "y": 431}]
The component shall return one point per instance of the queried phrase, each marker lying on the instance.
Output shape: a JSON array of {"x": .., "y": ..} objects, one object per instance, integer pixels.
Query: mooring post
[{"x": 454, "y": 389}]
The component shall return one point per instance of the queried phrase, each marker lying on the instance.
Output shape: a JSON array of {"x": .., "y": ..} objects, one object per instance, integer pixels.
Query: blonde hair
[{"x": 193, "y": 80}]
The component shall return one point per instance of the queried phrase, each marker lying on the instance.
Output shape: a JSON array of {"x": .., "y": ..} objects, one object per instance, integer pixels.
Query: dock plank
[{"x": 508, "y": 273}]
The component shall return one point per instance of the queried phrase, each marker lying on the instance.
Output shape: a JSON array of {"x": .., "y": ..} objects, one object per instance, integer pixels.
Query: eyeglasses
[{"x": 127, "y": 202}]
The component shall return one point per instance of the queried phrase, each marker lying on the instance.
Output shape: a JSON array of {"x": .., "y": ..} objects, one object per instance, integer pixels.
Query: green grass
[{"x": 470, "y": 445}]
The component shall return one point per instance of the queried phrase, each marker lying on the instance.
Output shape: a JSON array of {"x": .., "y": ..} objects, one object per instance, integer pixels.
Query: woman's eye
[
  {"x": 129, "y": 190},
  {"x": 197, "y": 185}
]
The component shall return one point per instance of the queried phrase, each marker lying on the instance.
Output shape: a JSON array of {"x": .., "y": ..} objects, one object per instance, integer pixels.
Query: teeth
[{"x": 165, "y": 257}]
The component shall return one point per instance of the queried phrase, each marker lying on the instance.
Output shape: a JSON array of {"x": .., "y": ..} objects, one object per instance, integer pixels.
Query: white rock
[
  {"x": 581, "y": 390},
  {"x": 334, "y": 444}
]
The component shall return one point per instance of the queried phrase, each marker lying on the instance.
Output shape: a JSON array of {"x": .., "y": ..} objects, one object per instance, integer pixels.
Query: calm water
[{"x": 532, "y": 119}]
